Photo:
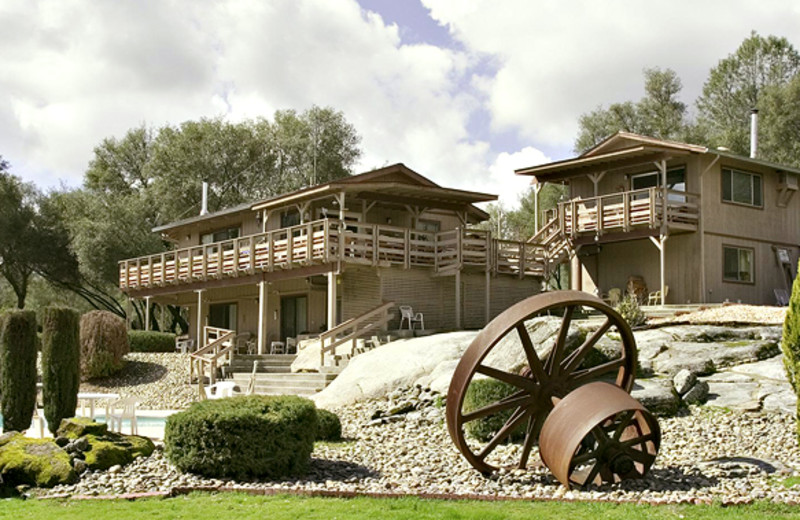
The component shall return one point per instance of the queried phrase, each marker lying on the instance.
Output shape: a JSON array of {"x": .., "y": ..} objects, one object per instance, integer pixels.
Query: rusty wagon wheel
[
  {"x": 545, "y": 378},
  {"x": 599, "y": 434}
]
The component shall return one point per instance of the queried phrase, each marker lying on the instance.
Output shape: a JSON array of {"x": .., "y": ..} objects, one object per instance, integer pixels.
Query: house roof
[
  {"x": 396, "y": 183},
  {"x": 628, "y": 149}
]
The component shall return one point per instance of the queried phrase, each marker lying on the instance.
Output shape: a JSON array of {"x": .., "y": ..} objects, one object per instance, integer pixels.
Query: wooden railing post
[
  {"x": 271, "y": 251},
  {"x": 138, "y": 272},
  {"x": 600, "y": 216},
  {"x": 652, "y": 207},
  {"x": 309, "y": 244},
  {"x": 407, "y": 248},
  {"x": 375, "y": 248},
  {"x": 626, "y": 212}
]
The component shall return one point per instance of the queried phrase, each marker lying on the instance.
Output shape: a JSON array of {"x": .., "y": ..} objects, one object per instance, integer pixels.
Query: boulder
[
  {"x": 739, "y": 396},
  {"x": 308, "y": 356},
  {"x": 75, "y": 427},
  {"x": 657, "y": 395},
  {"x": 697, "y": 394},
  {"x": 112, "y": 449},
  {"x": 684, "y": 380},
  {"x": 34, "y": 462},
  {"x": 690, "y": 356}
]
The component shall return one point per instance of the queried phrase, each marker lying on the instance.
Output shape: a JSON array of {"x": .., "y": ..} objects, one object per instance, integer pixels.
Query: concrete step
[
  {"x": 274, "y": 363},
  {"x": 280, "y": 384}
]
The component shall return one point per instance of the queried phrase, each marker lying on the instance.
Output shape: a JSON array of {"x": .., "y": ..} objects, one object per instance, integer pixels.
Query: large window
[
  {"x": 741, "y": 187},
  {"x": 676, "y": 181},
  {"x": 738, "y": 264},
  {"x": 219, "y": 235}
]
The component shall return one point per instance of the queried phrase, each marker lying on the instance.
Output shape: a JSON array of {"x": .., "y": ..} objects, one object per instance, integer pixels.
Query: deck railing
[
  {"x": 324, "y": 241},
  {"x": 628, "y": 210}
]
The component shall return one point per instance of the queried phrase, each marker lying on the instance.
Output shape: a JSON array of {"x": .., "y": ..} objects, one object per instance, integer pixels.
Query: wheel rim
[
  {"x": 599, "y": 434},
  {"x": 546, "y": 377}
]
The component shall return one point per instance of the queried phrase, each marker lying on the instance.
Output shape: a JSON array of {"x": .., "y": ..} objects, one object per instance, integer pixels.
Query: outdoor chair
[
  {"x": 242, "y": 343},
  {"x": 614, "y": 296},
  {"x": 220, "y": 390},
  {"x": 291, "y": 345},
  {"x": 183, "y": 344},
  {"x": 654, "y": 298},
  {"x": 781, "y": 297},
  {"x": 277, "y": 347},
  {"x": 407, "y": 313},
  {"x": 120, "y": 410}
]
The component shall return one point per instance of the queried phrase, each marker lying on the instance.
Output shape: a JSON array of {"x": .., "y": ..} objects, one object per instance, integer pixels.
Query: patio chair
[
  {"x": 120, "y": 410},
  {"x": 407, "y": 313},
  {"x": 614, "y": 296},
  {"x": 291, "y": 345},
  {"x": 654, "y": 298},
  {"x": 277, "y": 347},
  {"x": 781, "y": 297},
  {"x": 183, "y": 344},
  {"x": 241, "y": 341},
  {"x": 220, "y": 390}
]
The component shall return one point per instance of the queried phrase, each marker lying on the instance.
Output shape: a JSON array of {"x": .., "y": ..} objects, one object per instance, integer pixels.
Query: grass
[{"x": 244, "y": 507}]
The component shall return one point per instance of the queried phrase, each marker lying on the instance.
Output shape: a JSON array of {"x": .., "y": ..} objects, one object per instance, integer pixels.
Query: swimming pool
[{"x": 150, "y": 423}]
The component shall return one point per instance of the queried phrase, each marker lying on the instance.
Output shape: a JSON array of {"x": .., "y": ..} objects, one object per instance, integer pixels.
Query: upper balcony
[
  {"x": 327, "y": 241},
  {"x": 623, "y": 212}
]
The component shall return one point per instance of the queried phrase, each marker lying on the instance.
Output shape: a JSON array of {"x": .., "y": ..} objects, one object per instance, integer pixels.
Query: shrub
[
  {"x": 61, "y": 364},
  {"x": 790, "y": 343},
  {"x": 243, "y": 437},
  {"x": 329, "y": 427},
  {"x": 18, "y": 374},
  {"x": 483, "y": 392},
  {"x": 631, "y": 311},
  {"x": 151, "y": 341},
  {"x": 104, "y": 342}
]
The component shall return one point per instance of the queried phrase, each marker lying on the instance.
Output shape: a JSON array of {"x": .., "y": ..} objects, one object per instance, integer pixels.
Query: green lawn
[{"x": 242, "y": 507}]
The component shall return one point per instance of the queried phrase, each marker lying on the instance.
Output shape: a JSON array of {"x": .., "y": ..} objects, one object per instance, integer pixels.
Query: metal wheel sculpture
[
  {"x": 599, "y": 434},
  {"x": 546, "y": 378}
]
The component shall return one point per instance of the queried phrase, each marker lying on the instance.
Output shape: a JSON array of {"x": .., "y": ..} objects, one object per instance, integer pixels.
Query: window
[
  {"x": 219, "y": 235},
  {"x": 741, "y": 187},
  {"x": 222, "y": 315},
  {"x": 432, "y": 226},
  {"x": 738, "y": 264},
  {"x": 676, "y": 181}
]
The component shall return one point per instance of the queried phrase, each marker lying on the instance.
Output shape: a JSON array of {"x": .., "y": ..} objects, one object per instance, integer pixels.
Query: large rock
[
  {"x": 103, "y": 449},
  {"x": 308, "y": 356},
  {"x": 657, "y": 395},
  {"x": 34, "y": 462},
  {"x": 74, "y": 427}
]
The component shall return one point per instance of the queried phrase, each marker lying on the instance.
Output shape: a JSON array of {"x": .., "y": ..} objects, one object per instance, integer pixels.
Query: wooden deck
[{"x": 325, "y": 241}]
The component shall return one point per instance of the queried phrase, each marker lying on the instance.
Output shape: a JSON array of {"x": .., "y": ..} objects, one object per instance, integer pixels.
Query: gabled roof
[
  {"x": 396, "y": 183},
  {"x": 625, "y": 149}
]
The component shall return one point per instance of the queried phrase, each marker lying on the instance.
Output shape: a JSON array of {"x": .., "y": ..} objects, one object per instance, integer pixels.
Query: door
[
  {"x": 294, "y": 316},
  {"x": 222, "y": 315}
]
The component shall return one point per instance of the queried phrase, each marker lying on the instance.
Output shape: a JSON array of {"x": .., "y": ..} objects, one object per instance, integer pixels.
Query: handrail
[
  {"x": 352, "y": 325},
  {"x": 200, "y": 358}
]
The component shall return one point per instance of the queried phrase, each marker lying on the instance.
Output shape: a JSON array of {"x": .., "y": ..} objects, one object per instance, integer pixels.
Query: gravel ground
[
  {"x": 705, "y": 455},
  {"x": 732, "y": 313},
  {"x": 159, "y": 380}
]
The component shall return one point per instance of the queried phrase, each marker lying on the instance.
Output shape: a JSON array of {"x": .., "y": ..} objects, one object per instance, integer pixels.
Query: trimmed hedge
[
  {"x": 329, "y": 426},
  {"x": 483, "y": 392},
  {"x": 243, "y": 437},
  {"x": 104, "y": 343},
  {"x": 18, "y": 374},
  {"x": 61, "y": 364},
  {"x": 151, "y": 341}
]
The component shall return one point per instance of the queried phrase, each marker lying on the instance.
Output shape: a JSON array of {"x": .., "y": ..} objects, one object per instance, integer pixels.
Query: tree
[
  {"x": 736, "y": 84},
  {"x": 779, "y": 123},
  {"x": 32, "y": 237},
  {"x": 61, "y": 367},
  {"x": 658, "y": 114}
]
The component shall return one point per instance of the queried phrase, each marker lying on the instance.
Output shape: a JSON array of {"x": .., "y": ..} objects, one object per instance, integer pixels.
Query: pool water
[{"x": 148, "y": 425}]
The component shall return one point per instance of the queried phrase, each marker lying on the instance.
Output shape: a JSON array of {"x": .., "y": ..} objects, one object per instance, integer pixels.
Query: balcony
[
  {"x": 327, "y": 241},
  {"x": 628, "y": 211}
]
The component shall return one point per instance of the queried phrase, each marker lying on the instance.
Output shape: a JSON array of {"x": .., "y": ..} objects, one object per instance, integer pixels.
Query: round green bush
[
  {"x": 329, "y": 426},
  {"x": 151, "y": 341},
  {"x": 483, "y": 392},
  {"x": 243, "y": 437}
]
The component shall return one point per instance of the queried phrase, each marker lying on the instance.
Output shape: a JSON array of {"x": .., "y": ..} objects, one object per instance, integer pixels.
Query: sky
[{"x": 461, "y": 91}]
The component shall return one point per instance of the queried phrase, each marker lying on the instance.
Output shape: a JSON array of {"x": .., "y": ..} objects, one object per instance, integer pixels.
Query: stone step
[{"x": 293, "y": 379}]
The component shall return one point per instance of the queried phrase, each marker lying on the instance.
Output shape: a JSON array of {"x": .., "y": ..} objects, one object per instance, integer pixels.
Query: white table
[{"x": 90, "y": 397}]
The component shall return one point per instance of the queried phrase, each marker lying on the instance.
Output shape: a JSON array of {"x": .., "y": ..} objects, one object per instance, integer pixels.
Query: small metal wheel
[
  {"x": 552, "y": 368},
  {"x": 599, "y": 434}
]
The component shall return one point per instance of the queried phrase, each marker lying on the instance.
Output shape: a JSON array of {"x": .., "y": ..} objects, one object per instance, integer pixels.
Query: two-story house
[
  {"x": 304, "y": 262},
  {"x": 697, "y": 224}
]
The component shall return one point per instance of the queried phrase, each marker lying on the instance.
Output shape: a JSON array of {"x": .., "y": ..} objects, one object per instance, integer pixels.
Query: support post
[
  {"x": 262, "y": 317},
  {"x": 200, "y": 318},
  {"x": 488, "y": 300},
  {"x": 458, "y": 299},
  {"x": 577, "y": 273},
  {"x": 332, "y": 300},
  {"x": 147, "y": 312},
  {"x": 662, "y": 258}
]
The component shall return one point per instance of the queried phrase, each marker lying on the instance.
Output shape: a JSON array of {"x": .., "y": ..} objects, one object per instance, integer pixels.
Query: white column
[
  {"x": 262, "y": 317},
  {"x": 201, "y": 315},
  {"x": 147, "y": 312},
  {"x": 662, "y": 258},
  {"x": 332, "y": 300},
  {"x": 458, "y": 299},
  {"x": 488, "y": 302}
]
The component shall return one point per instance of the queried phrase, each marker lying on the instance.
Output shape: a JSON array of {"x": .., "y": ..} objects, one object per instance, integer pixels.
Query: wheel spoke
[
  {"x": 530, "y": 438},
  {"x": 625, "y": 420},
  {"x": 511, "y": 401},
  {"x": 554, "y": 359},
  {"x": 582, "y": 376},
  {"x": 517, "y": 380},
  {"x": 592, "y": 474},
  {"x": 600, "y": 435},
  {"x": 530, "y": 353},
  {"x": 638, "y": 440},
  {"x": 640, "y": 456},
  {"x": 584, "y": 457},
  {"x": 574, "y": 359},
  {"x": 511, "y": 424}
]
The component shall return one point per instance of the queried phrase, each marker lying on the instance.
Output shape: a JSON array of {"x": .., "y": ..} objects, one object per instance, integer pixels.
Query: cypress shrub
[
  {"x": 483, "y": 392},
  {"x": 18, "y": 374},
  {"x": 329, "y": 427},
  {"x": 104, "y": 342},
  {"x": 61, "y": 364},
  {"x": 151, "y": 341},
  {"x": 243, "y": 437},
  {"x": 790, "y": 343},
  {"x": 630, "y": 309}
]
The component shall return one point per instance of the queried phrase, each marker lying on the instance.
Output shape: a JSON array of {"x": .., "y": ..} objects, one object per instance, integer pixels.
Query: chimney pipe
[
  {"x": 753, "y": 132},
  {"x": 204, "y": 203}
]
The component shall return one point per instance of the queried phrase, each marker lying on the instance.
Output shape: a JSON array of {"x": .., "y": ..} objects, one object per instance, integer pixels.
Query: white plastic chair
[
  {"x": 407, "y": 313},
  {"x": 277, "y": 347},
  {"x": 220, "y": 390},
  {"x": 291, "y": 345},
  {"x": 127, "y": 410}
]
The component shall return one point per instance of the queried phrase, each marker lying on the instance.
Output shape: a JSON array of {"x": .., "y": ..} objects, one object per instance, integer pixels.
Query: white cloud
[
  {"x": 501, "y": 174},
  {"x": 561, "y": 59},
  {"x": 76, "y": 72}
]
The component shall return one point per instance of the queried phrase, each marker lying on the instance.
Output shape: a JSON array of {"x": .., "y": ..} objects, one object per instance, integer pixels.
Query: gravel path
[
  {"x": 705, "y": 455},
  {"x": 729, "y": 313}
]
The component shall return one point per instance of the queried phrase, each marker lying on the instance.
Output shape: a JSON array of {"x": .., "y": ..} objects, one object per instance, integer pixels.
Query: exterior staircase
[
  {"x": 554, "y": 246},
  {"x": 273, "y": 375}
]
